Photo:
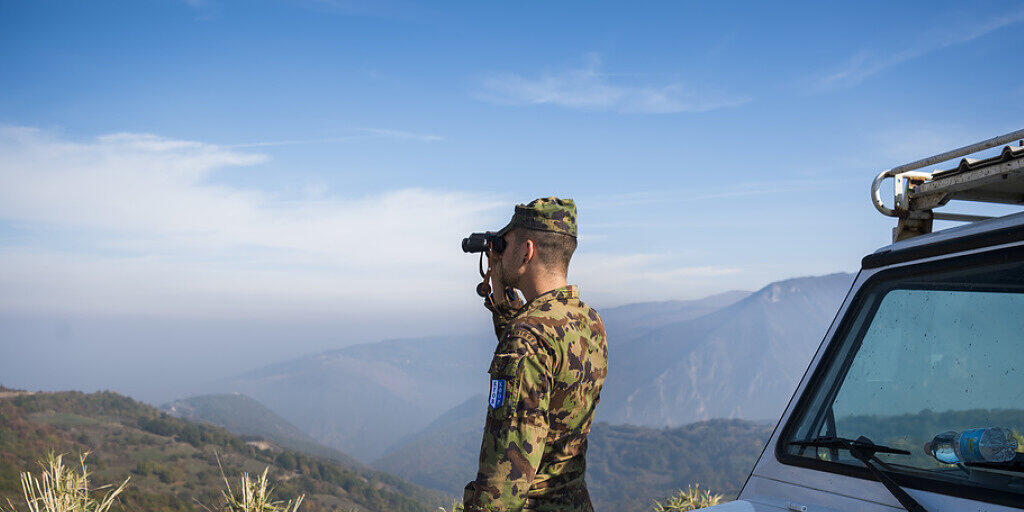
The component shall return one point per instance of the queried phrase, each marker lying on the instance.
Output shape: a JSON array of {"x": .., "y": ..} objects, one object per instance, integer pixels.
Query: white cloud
[
  {"x": 133, "y": 223},
  {"x": 619, "y": 278},
  {"x": 864, "y": 64},
  {"x": 588, "y": 88},
  {"x": 360, "y": 134},
  {"x": 905, "y": 144},
  {"x": 138, "y": 224},
  {"x": 400, "y": 134}
]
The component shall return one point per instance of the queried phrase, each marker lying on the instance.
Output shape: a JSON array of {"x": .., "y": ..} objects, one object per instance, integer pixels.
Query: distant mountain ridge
[
  {"x": 731, "y": 355},
  {"x": 244, "y": 416},
  {"x": 363, "y": 398},
  {"x": 631, "y": 321},
  {"x": 741, "y": 361},
  {"x": 235, "y": 412}
]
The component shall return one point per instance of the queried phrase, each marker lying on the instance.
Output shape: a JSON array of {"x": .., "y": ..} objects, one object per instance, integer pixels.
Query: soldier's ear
[{"x": 530, "y": 252}]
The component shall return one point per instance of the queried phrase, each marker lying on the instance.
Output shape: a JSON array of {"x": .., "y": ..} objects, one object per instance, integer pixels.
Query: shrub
[
  {"x": 254, "y": 496},
  {"x": 690, "y": 499},
  {"x": 61, "y": 488}
]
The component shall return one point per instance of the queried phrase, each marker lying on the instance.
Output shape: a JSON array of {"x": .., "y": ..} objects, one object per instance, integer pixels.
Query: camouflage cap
[{"x": 545, "y": 214}]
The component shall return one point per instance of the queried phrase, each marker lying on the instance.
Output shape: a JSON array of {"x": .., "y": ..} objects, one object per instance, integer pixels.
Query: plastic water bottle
[{"x": 993, "y": 444}]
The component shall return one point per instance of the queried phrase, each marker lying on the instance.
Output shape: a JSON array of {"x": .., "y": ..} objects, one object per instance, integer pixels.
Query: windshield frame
[{"x": 868, "y": 296}]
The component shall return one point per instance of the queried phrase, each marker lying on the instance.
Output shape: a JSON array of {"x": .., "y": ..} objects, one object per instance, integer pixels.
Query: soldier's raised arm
[
  {"x": 516, "y": 425},
  {"x": 504, "y": 309}
]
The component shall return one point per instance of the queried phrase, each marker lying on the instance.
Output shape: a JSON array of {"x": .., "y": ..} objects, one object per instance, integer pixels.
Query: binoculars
[{"x": 483, "y": 242}]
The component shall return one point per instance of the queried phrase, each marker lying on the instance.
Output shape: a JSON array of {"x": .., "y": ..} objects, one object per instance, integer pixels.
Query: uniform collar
[{"x": 566, "y": 292}]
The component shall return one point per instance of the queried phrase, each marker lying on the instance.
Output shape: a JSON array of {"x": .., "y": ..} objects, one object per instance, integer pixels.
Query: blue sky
[{"x": 317, "y": 162}]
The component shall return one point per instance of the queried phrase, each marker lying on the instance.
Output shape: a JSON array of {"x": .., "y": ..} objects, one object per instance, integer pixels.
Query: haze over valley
[
  {"x": 733, "y": 355},
  {"x": 414, "y": 407}
]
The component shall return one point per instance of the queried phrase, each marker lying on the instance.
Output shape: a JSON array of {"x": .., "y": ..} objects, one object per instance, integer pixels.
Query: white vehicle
[{"x": 930, "y": 339}]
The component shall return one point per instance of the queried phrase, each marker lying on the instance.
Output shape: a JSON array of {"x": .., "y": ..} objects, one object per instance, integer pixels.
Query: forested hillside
[
  {"x": 173, "y": 462},
  {"x": 627, "y": 465},
  {"x": 245, "y": 416}
]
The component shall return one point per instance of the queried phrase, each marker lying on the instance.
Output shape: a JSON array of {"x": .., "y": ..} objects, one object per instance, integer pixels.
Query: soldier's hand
[{"x": 497, "y": 283}]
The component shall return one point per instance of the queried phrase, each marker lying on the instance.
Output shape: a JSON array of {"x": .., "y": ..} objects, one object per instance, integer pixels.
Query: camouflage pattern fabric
[
  {"x": 546, "y": 214},
  {"x": 552, "y": 357}
]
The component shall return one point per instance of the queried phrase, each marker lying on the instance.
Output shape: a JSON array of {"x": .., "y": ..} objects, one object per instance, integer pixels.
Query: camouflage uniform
[{"x": 546, "y": 378}]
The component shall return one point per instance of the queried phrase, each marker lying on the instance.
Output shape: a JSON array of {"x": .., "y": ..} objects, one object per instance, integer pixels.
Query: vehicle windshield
[{"x": 927, "y": 354}]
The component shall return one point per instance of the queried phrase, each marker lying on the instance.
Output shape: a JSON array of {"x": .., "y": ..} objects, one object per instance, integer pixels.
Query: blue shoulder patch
[{"x": 497, "y": 398}]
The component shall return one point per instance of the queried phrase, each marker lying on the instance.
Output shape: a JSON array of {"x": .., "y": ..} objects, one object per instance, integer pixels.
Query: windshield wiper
[{"x": 864, "y": 450}]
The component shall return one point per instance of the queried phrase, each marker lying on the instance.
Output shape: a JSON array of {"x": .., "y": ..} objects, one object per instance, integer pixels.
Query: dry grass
[
  {"x": 456, "y": 507},
  {"x": 62, "y": 488},
  {"x": 690, "y": 499},
  {"x": 254, "y": 495}
]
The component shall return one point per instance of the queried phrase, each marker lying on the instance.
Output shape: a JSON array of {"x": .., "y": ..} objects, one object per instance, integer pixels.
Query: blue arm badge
[{"x": 497, "y": 398}]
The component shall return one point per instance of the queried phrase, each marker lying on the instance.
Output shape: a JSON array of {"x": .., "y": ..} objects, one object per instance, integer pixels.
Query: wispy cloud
[
  {"x": 865, "y": 64},
  {"x": 738, "y": 189},
  {"x": 901, "y": 144},
  {"x": 378, "y": 8},
  {"x": 206, "y": 10},
  {"x": 131, "y": 223},
  {"x": 292, "y": 142},
  {"x": 588, "y": 88},
  {"x": 646, "y": 276},
  {"x": 359, "y": 134},
  {"x": 399, "y": 134}
]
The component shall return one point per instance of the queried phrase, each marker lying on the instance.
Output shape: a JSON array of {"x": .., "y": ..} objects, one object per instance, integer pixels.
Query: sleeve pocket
[{"x": 504, "y": 387}]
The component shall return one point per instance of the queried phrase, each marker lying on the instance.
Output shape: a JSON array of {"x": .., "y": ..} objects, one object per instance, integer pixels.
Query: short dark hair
[{"x": 554, "y": 249}]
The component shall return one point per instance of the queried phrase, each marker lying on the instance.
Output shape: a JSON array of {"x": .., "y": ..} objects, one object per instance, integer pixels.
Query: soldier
[{"x": 547, "y": 371}]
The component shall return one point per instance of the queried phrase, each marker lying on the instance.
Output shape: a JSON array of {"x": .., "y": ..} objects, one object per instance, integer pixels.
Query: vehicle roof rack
[{"x": 916, "y": 194}]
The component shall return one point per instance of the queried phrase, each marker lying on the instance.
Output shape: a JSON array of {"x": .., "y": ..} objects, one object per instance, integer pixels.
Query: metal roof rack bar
[
  {"x": 997, "y": 180},
  {"x": 956, "y": 153},
  {"x": 876, "y": 197}
]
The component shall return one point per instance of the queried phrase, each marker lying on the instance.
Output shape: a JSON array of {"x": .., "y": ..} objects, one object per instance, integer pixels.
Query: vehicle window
[{"x": 927, "y": 356}]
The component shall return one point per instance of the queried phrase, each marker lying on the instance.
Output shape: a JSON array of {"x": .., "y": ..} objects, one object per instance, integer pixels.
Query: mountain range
[
  {"x": 363, "y": 398},
  {"x": 244, "y": 416},
  {"x": 740, "y": 361},
  {"x": 732, "y": 355}
]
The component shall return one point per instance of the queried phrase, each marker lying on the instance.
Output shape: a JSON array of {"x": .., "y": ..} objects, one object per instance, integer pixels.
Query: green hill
[
  {"x": 628, "y": 466},
  {"x": 443, "y": 455},
  {"x": 245, "y": 416},
  {"x": 172, "y": 462}
]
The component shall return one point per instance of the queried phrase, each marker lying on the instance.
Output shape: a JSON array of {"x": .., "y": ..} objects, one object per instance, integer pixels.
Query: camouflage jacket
[{"x": 546, "y": 378}]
